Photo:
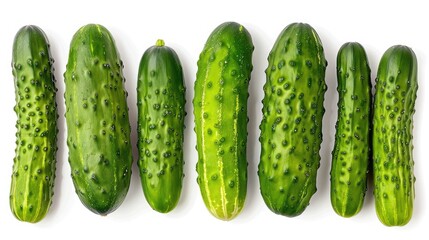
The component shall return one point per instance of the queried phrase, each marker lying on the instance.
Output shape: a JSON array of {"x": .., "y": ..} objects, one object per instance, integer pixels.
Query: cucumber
[
  {"x": 395, "y": 96},
  {"x": 98, "y": 128},
  {"x": 350, "y": 157},
  {"x": 161, "y": 115},
  {"x": 291, "y": 126},
  {"x": 33, "y": 176},
  {"x": 220, "y": 110}
]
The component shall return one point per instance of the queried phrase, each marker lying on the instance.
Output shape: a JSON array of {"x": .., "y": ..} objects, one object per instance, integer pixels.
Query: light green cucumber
[{"x": 220, "y": 110}]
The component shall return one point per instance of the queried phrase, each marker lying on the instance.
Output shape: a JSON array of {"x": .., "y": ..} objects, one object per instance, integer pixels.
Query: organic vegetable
[
  {"x": 161, "y": 115},
  {"x": 97, "y": 120},
  {"x": 395, "y": 96},
  {"x": 291, "y": 127},
  {"x": 350, "y": 157},
  {"x": 220, "y": 109},
  {"x": 33, "y": 175}
]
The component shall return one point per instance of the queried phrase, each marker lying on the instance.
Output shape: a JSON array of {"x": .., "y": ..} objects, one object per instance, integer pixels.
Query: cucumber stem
[{"x": 160, "y": 43}]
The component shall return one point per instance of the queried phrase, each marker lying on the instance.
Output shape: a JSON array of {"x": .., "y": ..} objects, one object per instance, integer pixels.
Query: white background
[{"x": 185, "y": 26}]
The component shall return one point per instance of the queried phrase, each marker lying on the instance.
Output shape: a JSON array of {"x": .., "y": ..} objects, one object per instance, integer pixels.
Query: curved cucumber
[
  {"x": 220, "y": 109},
  {"x": 33, "y": 175},
  {"x": 395, "y": 96},
  {"x": 291, "y": 127},
  {"x": 350, "y": 156},
  {"x": 97, "y": 120},
  {"x": 161, "y": 115}
]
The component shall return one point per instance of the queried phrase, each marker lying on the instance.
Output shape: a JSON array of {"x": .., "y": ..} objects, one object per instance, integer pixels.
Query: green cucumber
[
  {"x": 33, "y": 175},
  {"x": 98, "y": 128},
  {"x": 395, "y": 96},
  {"x": 220, "y": 110},
  {"x": 161, "y": 115},
  {"x": 291, "y": 126},
  {"x": 350, "y": 157}
]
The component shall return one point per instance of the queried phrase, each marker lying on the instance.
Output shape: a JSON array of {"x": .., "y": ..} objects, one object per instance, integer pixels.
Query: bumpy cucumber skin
[
  {"x": 220, "y": 110},
  {"x": 98, "y": 127},
  {"x": 291, "y": 127},
  {"x": 350, "y": 157},
  {"x": 33, "y": 176},
  {"x": 161, "y": 115},
  {"x": 396, "y": 89}
]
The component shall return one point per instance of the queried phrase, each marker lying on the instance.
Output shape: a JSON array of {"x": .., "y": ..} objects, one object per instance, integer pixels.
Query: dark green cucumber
[
  {"x": 291, "y": 126},
  {"x": 97, "y": 120},
  {"x": 33, "y": 175},
  {"x": 350, "y": 157},
  {"x": 395, "y": 96},
  {"x": 161, "y": 115},
  {"x": 220, "y": 109}
]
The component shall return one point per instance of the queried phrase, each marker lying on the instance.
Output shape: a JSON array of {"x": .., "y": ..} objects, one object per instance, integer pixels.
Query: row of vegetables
[{"x": 373, "y": 134}]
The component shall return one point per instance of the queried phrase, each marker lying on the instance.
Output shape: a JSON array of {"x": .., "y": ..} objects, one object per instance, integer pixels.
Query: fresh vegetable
[
  {"x": 220, "y": 109},
  {"x": 396, "y": 88},
  {"x": 350, "y": 157},
  {"x": 161, "y": 115},
  {"x": 98, "y": 136},
  {"x": 291, "y": 127},
  {"x": 34, "y": 165}
]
